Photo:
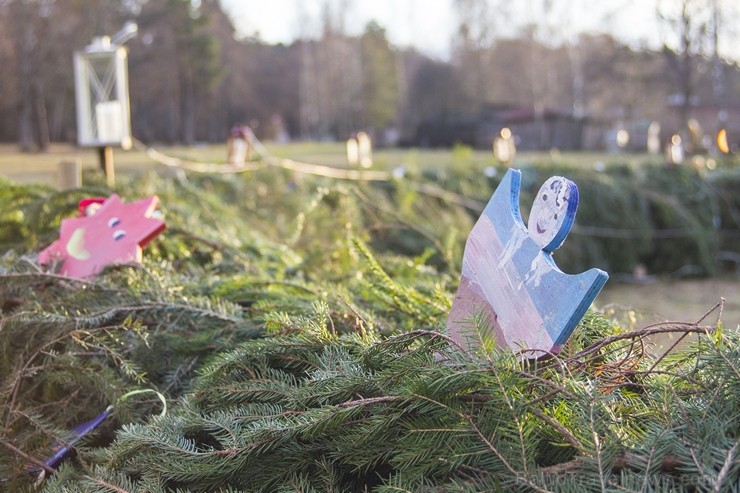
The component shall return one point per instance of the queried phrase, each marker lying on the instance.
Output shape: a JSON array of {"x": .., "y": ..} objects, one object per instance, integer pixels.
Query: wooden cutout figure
[
  {"x": 509, "y": 274},
  {"x": 353, "y": 152},
  {"x": 108, "y": 231},
  {"x": 364, "y": 149}
]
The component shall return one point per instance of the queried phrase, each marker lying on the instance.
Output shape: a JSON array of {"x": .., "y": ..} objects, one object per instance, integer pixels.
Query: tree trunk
[
  {"x": 25, "y": 69},
  {"x": 25, "y": 128},
  {"x": 187, "y": 112},
  {"x": 40, "y": 120}
]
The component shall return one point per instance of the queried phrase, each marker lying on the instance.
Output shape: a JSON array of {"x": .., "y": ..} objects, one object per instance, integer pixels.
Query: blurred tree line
[{"x": 192, "y": 77}]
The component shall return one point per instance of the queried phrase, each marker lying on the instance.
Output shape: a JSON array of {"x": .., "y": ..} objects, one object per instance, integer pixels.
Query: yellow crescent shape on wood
[{"x": 76, "y": 245}]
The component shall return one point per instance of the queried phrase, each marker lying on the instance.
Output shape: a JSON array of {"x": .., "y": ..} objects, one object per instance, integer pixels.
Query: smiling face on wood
[{"x": 552, "y": 212}]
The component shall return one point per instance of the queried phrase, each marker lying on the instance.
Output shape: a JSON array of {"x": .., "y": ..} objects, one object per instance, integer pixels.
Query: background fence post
[{"x": 70, "y": 174}]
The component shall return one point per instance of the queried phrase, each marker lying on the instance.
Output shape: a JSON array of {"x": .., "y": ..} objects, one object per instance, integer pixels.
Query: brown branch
[
  {"x": 369, "y": 400},
  {"x": 669, "y": 464},
  {"x": 214, "y": 245},
  {"x": 660, "y": 328},
  {"x": 27, "y": 457},
  {"x": 665, "y": 353},
  {"x": 488, "y": 444},
  {"x": 726, "y": 467},
  {"x": 720, "y": 304},
  {"x": 455, "y": 198},
  {"x": 358, "y": 317},
  {"x": 569, "y": 437},
  {"x": 49, "y": 276},
  {"x": 556, "y": 388},
  {"x": 500, "y": 456},
  {"x": 413, "y": 227},
  {"x": 440, "y": 335},
  {"x": 545, "y": 397},
  {"x": 109, "y": 486},
  {"x": 562, "y": 468}
]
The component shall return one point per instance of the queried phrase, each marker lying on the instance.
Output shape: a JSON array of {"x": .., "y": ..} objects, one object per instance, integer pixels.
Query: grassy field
[
  {"x": 42, "y": 167},
  {"x": 663, "y": 299}
]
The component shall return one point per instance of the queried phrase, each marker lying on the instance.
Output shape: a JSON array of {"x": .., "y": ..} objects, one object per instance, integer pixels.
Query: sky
[
  {"x": 424, "y": 24},
  {"x": 429, "y": 25}
]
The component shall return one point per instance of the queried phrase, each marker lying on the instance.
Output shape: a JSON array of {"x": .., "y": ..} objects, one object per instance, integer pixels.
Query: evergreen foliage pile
[
  {"x": 293, "y": 325},
  {"x": 669, "y": 219},
  {"x": 314, "y": 411}
]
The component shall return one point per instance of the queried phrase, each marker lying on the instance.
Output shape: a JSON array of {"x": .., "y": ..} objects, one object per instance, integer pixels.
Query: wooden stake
[
  {"x": 106, "y": 164},
  {"x": 70, "y": 174}
]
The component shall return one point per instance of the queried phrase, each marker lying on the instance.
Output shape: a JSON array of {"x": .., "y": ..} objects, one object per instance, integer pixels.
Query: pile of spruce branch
[
  {"x": 310, "y": 410},
  {"x": 667, "y": 219},
  {"x": 294, "y": 326}
]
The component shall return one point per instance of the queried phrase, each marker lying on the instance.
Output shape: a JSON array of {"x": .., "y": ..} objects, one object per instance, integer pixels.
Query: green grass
[
  {"x": 663, "y": 299},
  {"x": 41, "y": 167}
]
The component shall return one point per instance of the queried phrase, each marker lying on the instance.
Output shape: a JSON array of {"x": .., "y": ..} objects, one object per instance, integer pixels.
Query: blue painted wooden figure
[{"x": 509, "y": 275}]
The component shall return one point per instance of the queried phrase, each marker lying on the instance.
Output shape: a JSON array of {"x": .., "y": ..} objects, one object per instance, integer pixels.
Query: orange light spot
[{"x": 722, "y": 141}]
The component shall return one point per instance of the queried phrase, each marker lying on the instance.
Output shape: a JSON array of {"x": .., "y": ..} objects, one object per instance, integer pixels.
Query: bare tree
[
  {"x": 29, "y": 33},
  {"x": 380, "y": 92},
  {"x": 723, "y": 28},
  {"x": 471, "y": 50},
  {"x": 686, "y": 37},
  {"x": 39, "y": 37},
  {"x": 331, "y": 80},
  {"x": 182, "y": 63}
]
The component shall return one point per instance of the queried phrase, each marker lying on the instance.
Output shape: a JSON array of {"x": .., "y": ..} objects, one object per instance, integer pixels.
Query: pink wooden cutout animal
[{"x": 108, "y": 231}]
